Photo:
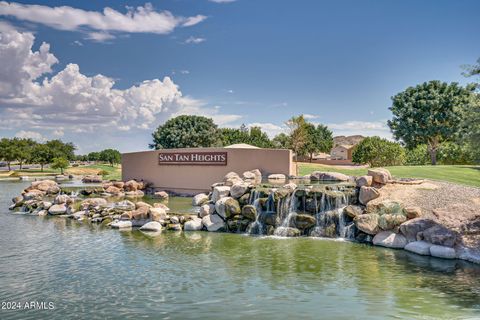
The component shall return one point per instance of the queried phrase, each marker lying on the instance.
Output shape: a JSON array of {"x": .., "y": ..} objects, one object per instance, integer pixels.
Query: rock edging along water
[{"x": 342, "y": 209}]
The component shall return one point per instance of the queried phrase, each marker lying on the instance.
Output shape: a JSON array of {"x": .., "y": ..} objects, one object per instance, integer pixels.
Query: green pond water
[{"x": 90, "y": 272}]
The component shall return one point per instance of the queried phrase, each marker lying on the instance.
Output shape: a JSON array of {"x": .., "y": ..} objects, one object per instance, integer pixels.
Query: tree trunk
[
  {"x": 21, "y": 163},
  {"x": 432, "y": 150},
  {"x": 41, "y": 166},
  {"x": 311, "y": 157},
  {"x": 61, "y": 171},
  {"x": 8, "y": 163}
]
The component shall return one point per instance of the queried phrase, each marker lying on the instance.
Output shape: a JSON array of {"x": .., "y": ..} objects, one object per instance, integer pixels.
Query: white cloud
[
  {"x": 195, "y": 40},
  {"x": 70, "y": 102},
  {"x": 366, "y": 128},
  {"x": 270, "y": 128},
  {"x": 142, "y": 19},
  {"x": 99, "y": 36},
  {"x": 310, "y": 116},
  {"x": 30, "y": 135},
  {"x": 77, "y": 43},
  {"x": 184, "y": 72}
]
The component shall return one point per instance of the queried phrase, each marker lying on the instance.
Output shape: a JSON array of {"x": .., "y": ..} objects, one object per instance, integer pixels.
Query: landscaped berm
[{"x": 425, "y": 217}]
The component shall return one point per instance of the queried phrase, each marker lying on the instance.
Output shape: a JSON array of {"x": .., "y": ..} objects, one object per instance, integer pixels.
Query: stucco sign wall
[{"x": 193, "y": 158}]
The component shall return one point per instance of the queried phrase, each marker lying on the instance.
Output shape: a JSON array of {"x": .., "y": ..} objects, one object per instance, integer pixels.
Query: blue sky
[{"x": 245, "y": 61}]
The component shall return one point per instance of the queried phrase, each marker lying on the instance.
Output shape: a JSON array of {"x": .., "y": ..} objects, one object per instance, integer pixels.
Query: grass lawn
[
  {"x": 114, "y": 173},
  {"x": 467, "y": 175}
]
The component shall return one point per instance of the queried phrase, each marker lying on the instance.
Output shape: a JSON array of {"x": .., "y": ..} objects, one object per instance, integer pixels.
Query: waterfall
[
  {"x": 291, "y": 204},
  {"x": 257, "y": 226}
]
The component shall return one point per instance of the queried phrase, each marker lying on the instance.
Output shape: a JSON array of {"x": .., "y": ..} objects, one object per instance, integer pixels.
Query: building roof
[{"x": 241, "y": 146}]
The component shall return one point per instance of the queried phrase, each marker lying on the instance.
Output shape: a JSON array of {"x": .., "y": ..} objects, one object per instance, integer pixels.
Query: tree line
[
  {"x": 55, "y": 153},
  {"x": 188, "y": 131}
]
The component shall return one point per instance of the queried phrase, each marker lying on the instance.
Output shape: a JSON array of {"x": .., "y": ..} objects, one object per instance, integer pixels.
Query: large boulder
[
  {"x": 206, "y": 209},
  {"x": 328, "y": 176},
  {"x": 287, "y": 232},
  {"x": 380, "y": 175},
  {"x": 113, "y": 190},
  {"x": 367, "y": 223},
  {"x": 142, "y": 213},
  {"x": 352, "y": 211},
  {"x": 419, "y": 247},
  {"x": 364, "y": 181},
  {"x": 161, "y": 195},
  {"x": 413, "y": 212},
  {"x": 213, "y": 222},
  {"x": 411, "y": 228},
  {"x": 93, "y": 202},
  {"x": 220, "y": 192},
  {"x": 391, "y": 221},
  {"x": 231, "y": 178},
  {"x": 152, "y": 226},
  {"x": 34, "y": 195},
  {"x": 227, "y": 207},
  {"x": 249, "y": 212},
  {"x": 390, "y": 239},
  {"x": 255, "y": 175},
  {"x": 193, "y": 225},
  {"x": 367, "y": 194},
  {"x": 439, "y": 235},
  {"x": 385, "y": 207},
  {"x": 43, "y": 185},
  {"x": 442, "y": 252},
  {"x": 140, "y": 204},
  {"x": 62, "y": 198},
  {"x": 92, "y": 179},
  {"x": 199, "y": 199},
  {"x": 304, "y": 221},
  {"x": 238, "y": 189},
  {"x": 157, "y": 214},
  {"x": 124, "y": 205},
  {"x": 132, "y": 185},
  {"x": 119, "y": 184},
  {"x": 57, "y": 209}
]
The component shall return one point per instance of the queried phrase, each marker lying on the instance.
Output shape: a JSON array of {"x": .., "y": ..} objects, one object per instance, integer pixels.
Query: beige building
[
  {"x": 193, "y": 170},
  {"x": 342, "y": 152}
]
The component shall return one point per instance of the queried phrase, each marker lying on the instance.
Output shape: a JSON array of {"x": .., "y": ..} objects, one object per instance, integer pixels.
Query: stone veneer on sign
[{"x": 194, "y": 178}]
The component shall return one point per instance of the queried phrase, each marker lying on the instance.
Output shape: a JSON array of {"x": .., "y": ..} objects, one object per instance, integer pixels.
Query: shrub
[
  {"x": 417, "y": 156},
  {"x": 103, "y": 173},
  {"x": 378, "y": 152}
]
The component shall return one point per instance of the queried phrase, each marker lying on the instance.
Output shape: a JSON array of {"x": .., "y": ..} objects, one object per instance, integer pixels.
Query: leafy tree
[
  {"x": 281, "y": 141},
  {"x": 111, "y": 156},
  {"x": 230, "y": 136},
  {"x": 318, "y": 139},
  {"x": 60, "y": 149},
  {"x": 429, "y": 113},
  {"x": 298, "y": 135},
  {"x": 8, "y": 152},
  {"x": 60, "y": 163},
  {"x": 256, "y": 137},
  {"x": 93, "y": 156},
  {"x": 41, "y": 155},
  {"x": 23, "y": 149},
  {"x": 186, "y": 132},
  {"x": 417, "y": 156},
  {"x": 378, "y": 152},
  {"x": 455, "y": 153}
]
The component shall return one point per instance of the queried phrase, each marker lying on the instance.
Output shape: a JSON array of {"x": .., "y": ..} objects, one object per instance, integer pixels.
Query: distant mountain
[{"x": 347, "y": 140}]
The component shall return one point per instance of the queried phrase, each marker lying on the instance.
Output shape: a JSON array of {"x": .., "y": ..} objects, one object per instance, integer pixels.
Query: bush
[
  {"x": 453, "y": 153},
  {"x": 378, "y": 152},
  {"x": 417, "y": 156},
  {"x": 103, "y": 173}
]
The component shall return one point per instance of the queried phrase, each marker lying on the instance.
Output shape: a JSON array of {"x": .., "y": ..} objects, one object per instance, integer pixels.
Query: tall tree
[
  {"x": 93, "y": 156},
  {"x": 60, "y": 149},
  {"x": 281, "y": 141},
  {"x": 111, "y": 156},
  {"x": 429, "y": 113},
  {"x": 24, "y": 150},
  {"x": 41, "y": 155},
  {"x": 60, "y": 163},
  {"x": 378, "y": 152},
  {"x": 318, "y": 139},
  {"x": 8, "y": 152},
  {"x": 186, "y": 132},
  {"x": 298, "y": 135}
]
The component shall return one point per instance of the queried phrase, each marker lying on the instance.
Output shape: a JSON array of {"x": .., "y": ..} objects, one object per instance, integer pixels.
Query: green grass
[
  {"x": 466, "y": 175},
  {"x": 114, "y": 173}
]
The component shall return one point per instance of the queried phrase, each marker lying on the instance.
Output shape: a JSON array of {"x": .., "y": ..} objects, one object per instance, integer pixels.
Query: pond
[{"x": 96, "y": 272}]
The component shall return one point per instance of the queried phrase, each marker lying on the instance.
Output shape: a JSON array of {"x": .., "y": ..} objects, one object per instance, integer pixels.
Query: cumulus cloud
[
  {"x": 30, "y": 135},
  {"x": 270, "y": 128},
  {"x": 74, "y": 102},
  {"x": 367, "y": 128},
  {"x": 142, "y": 19},
  {"x": 310, "y": 116}
]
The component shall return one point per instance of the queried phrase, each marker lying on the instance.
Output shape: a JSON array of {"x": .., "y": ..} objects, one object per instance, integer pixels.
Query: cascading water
[
  {"x": 289, "y": 210},
  {"x": 257, "y": 226}
]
